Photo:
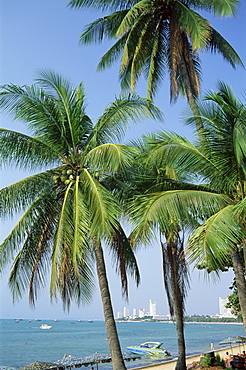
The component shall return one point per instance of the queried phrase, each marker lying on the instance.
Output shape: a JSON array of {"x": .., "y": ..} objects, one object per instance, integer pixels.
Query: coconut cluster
[{"x": 66, "y": 177}]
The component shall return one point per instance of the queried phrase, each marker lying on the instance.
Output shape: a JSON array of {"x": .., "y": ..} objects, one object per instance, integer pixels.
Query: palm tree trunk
[
  {"x": 240, "y": 282},
  {"x": 175, "y": 299},
  {"x": 244, "y": 248},
  {"x": 113, "y": 339},
  {"x": 178, "y": 307}
]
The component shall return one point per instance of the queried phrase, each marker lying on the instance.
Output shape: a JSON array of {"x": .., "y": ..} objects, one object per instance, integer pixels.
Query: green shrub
[
  {"x": 206, "y": 361},
  {"x": 219, "y": 361}
]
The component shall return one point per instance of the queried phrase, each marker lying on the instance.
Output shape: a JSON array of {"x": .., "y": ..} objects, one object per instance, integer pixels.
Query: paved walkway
[{"x": 170, "y": 365}]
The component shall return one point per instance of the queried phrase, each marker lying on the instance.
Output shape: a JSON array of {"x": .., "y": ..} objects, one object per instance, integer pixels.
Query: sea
[{"x": 23, "y": 342}]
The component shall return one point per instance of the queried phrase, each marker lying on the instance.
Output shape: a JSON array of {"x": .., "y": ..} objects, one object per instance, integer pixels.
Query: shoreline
[{"x": 186, "y": 322}]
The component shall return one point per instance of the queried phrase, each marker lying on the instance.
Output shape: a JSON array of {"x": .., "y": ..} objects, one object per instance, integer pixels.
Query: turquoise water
[{"x": 83, "y": 338}]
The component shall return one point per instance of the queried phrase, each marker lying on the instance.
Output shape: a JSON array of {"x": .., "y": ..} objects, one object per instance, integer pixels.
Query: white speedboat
[
  {"x": 150, "y": 349},
  {"x": 45, "y": 326}
]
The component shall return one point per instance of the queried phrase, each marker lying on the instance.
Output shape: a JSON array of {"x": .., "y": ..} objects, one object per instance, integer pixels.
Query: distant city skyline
[{"x": 152, "y": 312}]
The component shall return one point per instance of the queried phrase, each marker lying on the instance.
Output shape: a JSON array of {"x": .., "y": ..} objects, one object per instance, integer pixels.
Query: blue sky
[{"x": 45, "y": 35}]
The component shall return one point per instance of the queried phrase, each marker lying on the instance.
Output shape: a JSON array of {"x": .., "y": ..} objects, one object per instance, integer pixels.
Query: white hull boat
[
  {"x": 45, "y": 326},
  {"x": 150, "y": 349}
]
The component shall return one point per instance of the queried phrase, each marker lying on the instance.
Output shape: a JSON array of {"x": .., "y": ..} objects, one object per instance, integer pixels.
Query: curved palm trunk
[
  {"x": 175, "y": 297},
  {"x": 113, "y": 340},
  {"x": 240, "y": 281}
]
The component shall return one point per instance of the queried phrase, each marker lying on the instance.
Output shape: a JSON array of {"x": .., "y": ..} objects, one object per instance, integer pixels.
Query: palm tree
[
  {"x": 217, "y": 166},
  {"x": 149, "y": 177},
  {"x": 225, "y": 150},
  {"x": 158, "y": 36},
  {"x": 66, "y": 211}
]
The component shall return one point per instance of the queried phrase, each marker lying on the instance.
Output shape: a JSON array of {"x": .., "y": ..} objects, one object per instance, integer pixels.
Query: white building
[
  {"x": 134, "y": 312},
  {"x": 126, "y": 312},
  {"x": 162, "y": 317},
  {"x": 224, "y": 312},
  {"x": 152, "y": 308},
  {"x": 141, "y": 312},
  {"x": 119, "y": 315}
]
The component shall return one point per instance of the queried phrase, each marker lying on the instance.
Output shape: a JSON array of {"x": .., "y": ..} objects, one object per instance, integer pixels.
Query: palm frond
[
  {"x": 132, "y": 51},
  {"x": 62, "y": 239},
  {"x": 112, "y": 54},
  {"x": 220, "y": 8},
  {"x": 141, "y": 8},
  {"x": 42, "y": 113},
  {"x": 17, "y": 197},
  {"x": 108, "y": 158},
  {"x": 25, "y": 152},
  {"x": 102, "y": 207},
  {"x": 70, "y": 102},
  {"x": 215, "y": 237},
  {"x": 197, "y": 27},
  {"x": 128, "y": 107},
  {"x": 101, "y": 28},
  {"x": 72, "y": 266},
  {"x": 219, "y": 45},
  {"x": 31, "y": 236},
  {"x": 175, "y": 55},
  {"x": 155, "y": 70},
  {"x": 101, "y": 5},
  {"x": 174, "y": 205},
  {"x": 124, "y": 258}
]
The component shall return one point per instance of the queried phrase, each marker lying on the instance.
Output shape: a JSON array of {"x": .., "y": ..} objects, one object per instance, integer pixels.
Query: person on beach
[{"x": 228, "y": 359}]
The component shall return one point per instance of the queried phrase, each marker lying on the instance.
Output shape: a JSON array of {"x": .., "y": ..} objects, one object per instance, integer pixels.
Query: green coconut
[{"x": 63, "y": 178}]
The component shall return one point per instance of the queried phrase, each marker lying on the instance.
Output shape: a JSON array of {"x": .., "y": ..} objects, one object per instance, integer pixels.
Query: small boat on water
[
  {"x": 150, "y": 349},
  {"x": 45, "y": 326}
]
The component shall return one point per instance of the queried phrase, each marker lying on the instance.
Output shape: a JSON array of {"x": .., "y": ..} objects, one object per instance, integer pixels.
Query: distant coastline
[{"x": 185, "y": 322}]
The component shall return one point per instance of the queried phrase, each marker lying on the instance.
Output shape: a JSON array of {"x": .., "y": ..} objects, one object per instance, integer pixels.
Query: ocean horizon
[{"x": 23, "y": 342}]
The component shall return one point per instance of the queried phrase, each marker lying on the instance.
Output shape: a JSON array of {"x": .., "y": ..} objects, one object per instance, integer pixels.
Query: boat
[
  {"x": 150, "y": 349},
  {"x": 45, "y": 326}
]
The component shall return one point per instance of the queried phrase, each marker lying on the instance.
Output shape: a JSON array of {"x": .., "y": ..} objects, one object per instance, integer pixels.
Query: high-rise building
[
  {"x": 224, "y": 312},
  {"x": 119, "y": 315},
  {"x": 126, "y": 312},
  {"x": 152, "y": 308},
  {"x": 141, "y": 312}
]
